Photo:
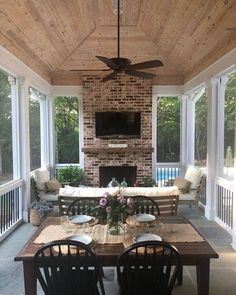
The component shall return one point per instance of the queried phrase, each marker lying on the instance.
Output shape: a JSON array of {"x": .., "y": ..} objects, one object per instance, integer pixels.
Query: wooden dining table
[{"x": 195, "y": 253}]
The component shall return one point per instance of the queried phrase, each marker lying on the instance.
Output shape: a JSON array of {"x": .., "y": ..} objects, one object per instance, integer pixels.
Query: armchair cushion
[
  {"x": 49, "y": 196},
  {"x": 182, "y": 184},
  {"x": 191, "y": 196},
  {"x": 53, "y": 185}
]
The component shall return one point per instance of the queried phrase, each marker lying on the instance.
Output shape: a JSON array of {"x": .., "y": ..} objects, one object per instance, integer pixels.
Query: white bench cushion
[
  {"x": 149, "y": 191},
  {"x": 127, "y": 191},
  {"x": 88, "y": 191}
]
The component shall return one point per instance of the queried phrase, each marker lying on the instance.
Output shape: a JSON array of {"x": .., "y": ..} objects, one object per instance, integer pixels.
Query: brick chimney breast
[{"x": 124, "y": 93}]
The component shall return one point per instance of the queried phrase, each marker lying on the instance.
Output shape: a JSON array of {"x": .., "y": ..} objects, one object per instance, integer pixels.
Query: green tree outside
[
  {"x": 168, "y": 129},
  {"x": 67, "y": 129},
  {"x": 6, "y": 159},
  {"x": 230, "y": 114},
  {"x": 35, "y": 136},
  {"x": 201, "y": 131}
]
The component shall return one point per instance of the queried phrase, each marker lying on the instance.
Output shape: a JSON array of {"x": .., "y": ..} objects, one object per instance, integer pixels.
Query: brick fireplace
[
  {"x": 124, "y": 93},
  {"x": 127, "y": 173}
]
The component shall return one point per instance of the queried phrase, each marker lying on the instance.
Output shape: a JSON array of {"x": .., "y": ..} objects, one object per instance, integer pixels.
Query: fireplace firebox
[{"x": 119, "y": 172}]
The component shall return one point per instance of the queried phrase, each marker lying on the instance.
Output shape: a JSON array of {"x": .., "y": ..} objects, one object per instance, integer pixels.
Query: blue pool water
[{"x": 163, "y": 174}]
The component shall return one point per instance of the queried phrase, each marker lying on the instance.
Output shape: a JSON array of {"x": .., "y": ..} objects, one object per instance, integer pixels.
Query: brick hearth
[{"x": 125, "y": 93}]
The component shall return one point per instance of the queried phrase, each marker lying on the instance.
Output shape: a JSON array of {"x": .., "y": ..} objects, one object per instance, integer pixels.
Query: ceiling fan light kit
[{"x": 124, "y": 65}]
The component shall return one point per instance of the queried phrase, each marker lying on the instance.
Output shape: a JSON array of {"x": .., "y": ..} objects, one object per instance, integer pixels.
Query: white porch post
[
  {"x": 220, "y": 125},
  {"x": 190, "y": 129},
  {"x": 187, "y": 131},
  {"x": 210, "y": 208},
  {"x": 15, "y": 127},
  {"x": 234, "y": 202},
  {"x": 183, "y": 130},
  {"x": 24, "y": 143},
  {"x": 51, "y": 129}
]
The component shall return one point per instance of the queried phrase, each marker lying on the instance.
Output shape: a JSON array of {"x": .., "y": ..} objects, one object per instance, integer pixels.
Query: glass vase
[
  {"x": 113, "y": 183},
  {"x": 115, "y": 225}
]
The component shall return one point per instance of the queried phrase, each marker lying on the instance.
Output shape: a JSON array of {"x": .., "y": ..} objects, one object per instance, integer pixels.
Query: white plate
[
  {"x": 145, "y": 218},
  {"x": 81, "y": 238},
  {"x": 80, "y": 218},
  {"x": 147, "y": 237}
]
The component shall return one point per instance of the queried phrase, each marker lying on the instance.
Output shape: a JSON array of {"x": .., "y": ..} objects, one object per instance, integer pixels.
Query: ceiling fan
[{"x": 124, "y": 65}]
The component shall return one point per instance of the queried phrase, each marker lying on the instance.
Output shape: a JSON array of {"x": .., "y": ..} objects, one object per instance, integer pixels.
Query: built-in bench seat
[{"x": 166, "y": 197}]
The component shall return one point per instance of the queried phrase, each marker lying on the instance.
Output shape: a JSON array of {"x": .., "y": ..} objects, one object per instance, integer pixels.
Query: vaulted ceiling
[{"x": 55, "y": 37}]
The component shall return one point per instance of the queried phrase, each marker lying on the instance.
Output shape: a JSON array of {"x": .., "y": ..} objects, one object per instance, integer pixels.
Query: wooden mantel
[{"x": 108, "y": 150}]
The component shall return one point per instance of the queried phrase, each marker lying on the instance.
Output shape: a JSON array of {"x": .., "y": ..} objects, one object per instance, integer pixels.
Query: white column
[
  {"x": 184, "y": 134},
  {"x": 154, "y": 130},
  {"x": 51, "y": 130},
  {"x": 234, "y": 202},
  {"x": 24, "y": 142},
  {"x": 15, "y": 127},
  {"x": 81, "y": 130},
  {"x": 220, "y": 124},
  {"x": 190, "y": 130},
  {"x": 43, "y": 130},
  {"x": 210, "y": 208}
]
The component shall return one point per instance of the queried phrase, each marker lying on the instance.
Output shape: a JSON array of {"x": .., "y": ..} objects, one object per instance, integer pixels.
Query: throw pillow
[
  {"x": 182, "y": 184},
  {"x": 194, "y": 175},
  {"x": 53, "y": 185}
]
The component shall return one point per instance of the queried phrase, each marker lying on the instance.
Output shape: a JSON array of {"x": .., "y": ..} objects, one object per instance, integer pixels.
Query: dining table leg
[
  {"x": 30, "y": 279},
  {"x": 203, "y": 276}
]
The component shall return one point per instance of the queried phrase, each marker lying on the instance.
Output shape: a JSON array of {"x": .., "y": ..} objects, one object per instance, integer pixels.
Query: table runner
[{"x": 168, "y": 232}]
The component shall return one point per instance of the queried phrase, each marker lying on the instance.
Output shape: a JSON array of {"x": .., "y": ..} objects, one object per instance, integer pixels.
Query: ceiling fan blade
[
  {"x": 139, "y": 74},
  {"x": 108, "y": 62},
  {"x": 146, "y": 65},
  {"x": 109, "y": 77},
  {"x": 91, "y": 70}
]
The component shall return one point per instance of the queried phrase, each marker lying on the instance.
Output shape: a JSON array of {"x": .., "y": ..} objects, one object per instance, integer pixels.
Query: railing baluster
[
  {"x": 224, "y": 204},
  {"x": 9, "y": 208},
  {"x": 1, "y": 207}
]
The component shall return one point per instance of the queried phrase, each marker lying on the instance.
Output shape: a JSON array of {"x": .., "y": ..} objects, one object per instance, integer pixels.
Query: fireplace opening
[{"x": 119, "y": 172}]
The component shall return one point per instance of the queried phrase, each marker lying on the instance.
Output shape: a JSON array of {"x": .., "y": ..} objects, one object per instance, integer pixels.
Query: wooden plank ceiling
[{"x": 54, "y": 37}]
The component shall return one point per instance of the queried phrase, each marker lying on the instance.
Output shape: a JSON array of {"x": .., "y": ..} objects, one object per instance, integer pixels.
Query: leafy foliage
[
  {"x": 67, "y": 129},
  {"x": 35, "y": 136},
  {"x": 230, "y": 112},
  {"x": 201, "y": 130},
  {"x": 148, "y": 181},
  {"x": 168, "y": 129},
  {"x": 6, "y": 159},
  {"x": 72, "y": 175}
]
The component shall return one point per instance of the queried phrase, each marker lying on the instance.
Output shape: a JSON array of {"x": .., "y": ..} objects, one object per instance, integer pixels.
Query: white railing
[
  {"x": 10, "y": 207},
  {"x": 224, "y": 203},
  {"x": 166, "y": 172}
]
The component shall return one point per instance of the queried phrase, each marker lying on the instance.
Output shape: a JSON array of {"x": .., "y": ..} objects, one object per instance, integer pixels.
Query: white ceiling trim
[
  {"x": 67, "y": 90},
  {"x": 222, "y": 66},
  {"x": 12, "y": 65},
  {"x": 167, "y": 90}
]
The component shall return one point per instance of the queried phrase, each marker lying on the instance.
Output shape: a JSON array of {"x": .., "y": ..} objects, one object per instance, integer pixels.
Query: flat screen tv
[{"x": 118, "y": 124}]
